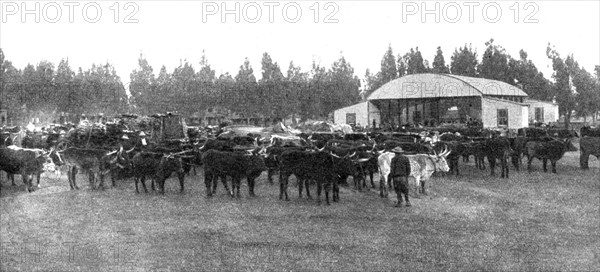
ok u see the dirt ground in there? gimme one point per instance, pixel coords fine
(530, 222)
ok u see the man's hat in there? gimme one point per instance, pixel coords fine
(142, 134)
(397, 149)
(125, 137)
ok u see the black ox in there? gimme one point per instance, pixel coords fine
(237, 165)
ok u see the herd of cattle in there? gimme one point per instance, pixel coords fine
(324, 158)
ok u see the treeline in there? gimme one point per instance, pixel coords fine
(48, 90)
(277, 94)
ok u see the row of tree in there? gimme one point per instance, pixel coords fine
(51, 90)
(309, 94)
(276, 95)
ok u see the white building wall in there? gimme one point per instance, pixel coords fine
(365, 113)
(550, 110)
(517, 113)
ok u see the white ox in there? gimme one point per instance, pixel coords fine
(422, 166)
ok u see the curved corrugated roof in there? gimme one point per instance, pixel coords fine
(442, 85)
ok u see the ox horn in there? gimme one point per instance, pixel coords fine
(334, 155)
(445, 152)
(363, 160)
(201, 148)
(353, 154)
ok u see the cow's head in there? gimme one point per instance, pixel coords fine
(344, 165)
(170, 163)
(120, 159)
(262, 152)
(55, 157)
(439, 160)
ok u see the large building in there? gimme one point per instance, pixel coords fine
(434, 99)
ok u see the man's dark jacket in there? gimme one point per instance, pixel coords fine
(400, 166)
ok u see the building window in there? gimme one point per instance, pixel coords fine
(539, 114)
(351, 118)
(502, 117)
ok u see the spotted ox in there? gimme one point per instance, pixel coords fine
(422, 166)
(88, 160)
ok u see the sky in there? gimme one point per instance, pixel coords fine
(169, 32)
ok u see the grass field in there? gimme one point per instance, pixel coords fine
(475, 222)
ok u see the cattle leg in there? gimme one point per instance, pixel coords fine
(336, 192)
(318, 192)
(283, 181)
(504, 168)
(454, 166)
(307, 187)
(423, 190)
(583, 159)
(327, 188)
(383, 186)
(529, 159)
(270, 173)
(27, 180)
(553, 166)
(300, 187)
(72, 174)
(251, 187)
(92, 179)
(101, 177)
(515, 161)
(70, 178)
(235, 183)
(280, 187)
(38, 179)
(161, 185)
(208, 179)
(136, 185)
(224, 181)
(480, 162)
(285, 187)
(143, 181)
(12, 178)
(544, 161)
(181, 177)
(492, 162)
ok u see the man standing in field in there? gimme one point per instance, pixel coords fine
(400, 170)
